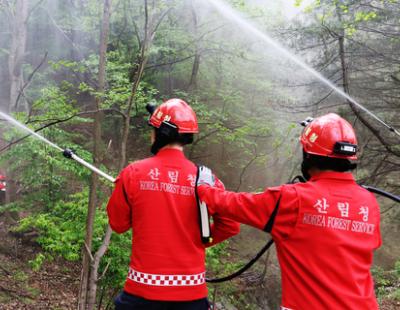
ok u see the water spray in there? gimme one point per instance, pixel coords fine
(227, 11)
(68, 153)
(35, 134)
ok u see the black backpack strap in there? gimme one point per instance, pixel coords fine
(270, 224)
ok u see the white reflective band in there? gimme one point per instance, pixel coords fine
(166, 280)
(205, 224)
(284, 308)
(348, 148)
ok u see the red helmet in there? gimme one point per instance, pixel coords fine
(176, 112)
(329, 135)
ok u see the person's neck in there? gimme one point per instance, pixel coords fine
(173, 146)
(314, 171)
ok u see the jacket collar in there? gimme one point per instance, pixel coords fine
(341, 176)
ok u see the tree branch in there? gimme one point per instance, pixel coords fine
(30, 77)
(57, 121)
(160, 20)
(169, 63)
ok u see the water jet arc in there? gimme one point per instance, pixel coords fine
(67, 152)
(227, 11)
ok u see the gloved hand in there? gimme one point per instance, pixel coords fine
(205, 176)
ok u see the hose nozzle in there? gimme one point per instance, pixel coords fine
(68, 153)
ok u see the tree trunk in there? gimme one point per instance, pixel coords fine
(137, 76)
(95, 269)
(16, 56)
(196, 63)
(195, 71)
(88, 287)
(94, 262)
(15, 60)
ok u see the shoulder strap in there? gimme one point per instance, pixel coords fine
(270, 224)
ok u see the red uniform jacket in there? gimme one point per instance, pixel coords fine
(325, 232)
(155, 197)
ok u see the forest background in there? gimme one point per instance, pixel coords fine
(80, 73)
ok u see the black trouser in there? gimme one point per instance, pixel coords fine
(125, 301)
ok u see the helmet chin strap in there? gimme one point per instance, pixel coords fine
(305, 167)
(156, 146)
(166, 134)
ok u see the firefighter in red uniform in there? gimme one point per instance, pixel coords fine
(2, 189)
(2, 183)
(325, 230)
(155, 198)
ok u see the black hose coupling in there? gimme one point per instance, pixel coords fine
(151, 107)
(307, 121)
(68, 153)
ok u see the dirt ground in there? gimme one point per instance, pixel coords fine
(54, 286)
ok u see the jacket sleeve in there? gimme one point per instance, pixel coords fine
(222, 228)
(247, 208)
(118, 208)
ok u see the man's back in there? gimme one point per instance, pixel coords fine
(325, 232)
(155, 197)
(326, 258)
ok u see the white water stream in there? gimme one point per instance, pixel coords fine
(229, 13)
(73, 156)
(22, 126)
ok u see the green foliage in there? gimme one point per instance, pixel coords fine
(117, 260)
(21, 276)
(37, 262)
(395, 294)
(62, 228)
(380, 282)
(380, 277)
(298, 3)
(365, 16)
(386, 282)
(62, 232)
(397, 268)
(218, 262)
(67, 64)
(42, 171)
(213, 255)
